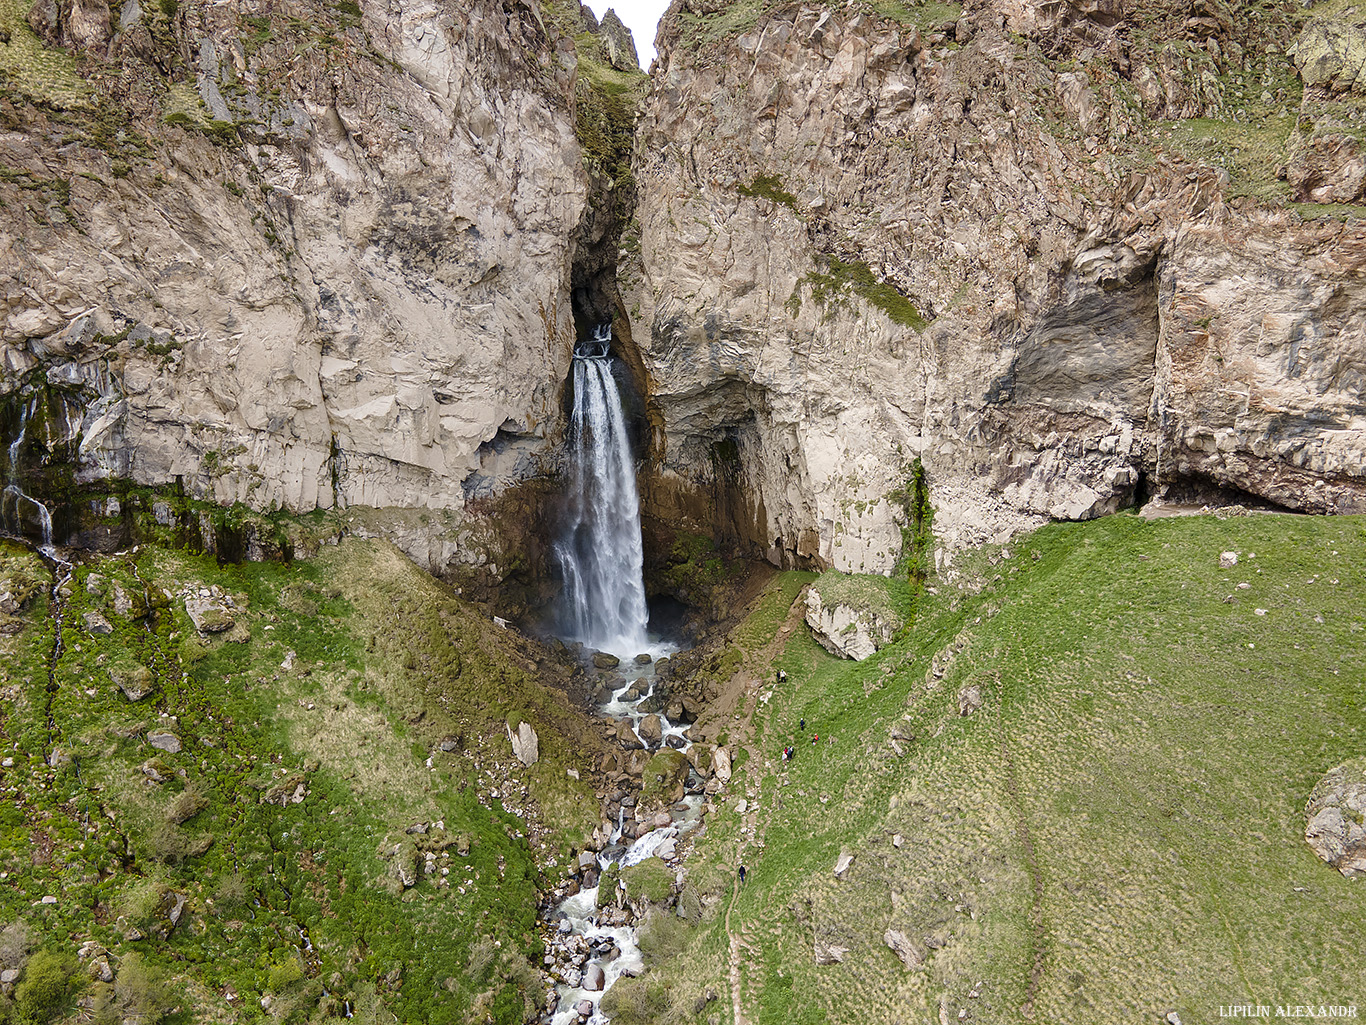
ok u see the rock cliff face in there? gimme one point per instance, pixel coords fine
(978, 239)
(1059, 253)
(301, 261)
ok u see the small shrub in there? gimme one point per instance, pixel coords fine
(46, 987)
(142, 992)
(284, 975)
(186, 806)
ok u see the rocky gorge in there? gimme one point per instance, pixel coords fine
(905, 300)
(272, 263)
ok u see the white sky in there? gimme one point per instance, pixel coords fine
(641, 17)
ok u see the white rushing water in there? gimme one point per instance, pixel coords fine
(16, 506)
(621, 955)
(601, 555)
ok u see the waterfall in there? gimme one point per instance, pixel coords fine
(13, 500)
(601, 555)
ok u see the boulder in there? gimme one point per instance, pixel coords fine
(594, 978)
(1331, 50)
(650, 729)
(1335, 813)
(643, 659)
(720, 759)
(164, 740)
(842, 865)
(663, 780)
(1227, 560)
(850, 620)
(525, 744)
(635, 761)
(95, 623)
(906, 951)
(209, 615)
(626, 736)
(827, 953)
(969, 699)
(605, 660)
(136, 683)
(127, 604)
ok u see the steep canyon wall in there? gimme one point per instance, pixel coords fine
(298, 259)
(1049, 249)
(1066, 255)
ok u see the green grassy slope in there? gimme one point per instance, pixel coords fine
(386, 664)
(1115, 833)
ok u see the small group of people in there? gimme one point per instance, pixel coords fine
(790, 751)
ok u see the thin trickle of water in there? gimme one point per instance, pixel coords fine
(14, 501)
(18, 442)
(601, 555)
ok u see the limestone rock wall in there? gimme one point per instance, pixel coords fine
(334, 271)
(865, 240)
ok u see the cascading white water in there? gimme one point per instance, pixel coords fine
(14, 500)
(601, 555)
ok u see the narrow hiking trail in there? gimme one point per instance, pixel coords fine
(736, 1000)
(754, 770)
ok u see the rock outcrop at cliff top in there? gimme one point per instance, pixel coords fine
(866, 240)
(329, 259)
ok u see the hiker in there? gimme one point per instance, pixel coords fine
(742, 875)
(782, 676)
(802, 726)
(815, 737)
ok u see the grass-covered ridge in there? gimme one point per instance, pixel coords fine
(352, 698)
(1115, 833)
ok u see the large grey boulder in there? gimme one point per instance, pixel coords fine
(164, 740)
(1335, 811)
(720, 760)
(136, 683)
(525, 744)
(906, 951)
(626, 736)
(848, 625)
(650, 730)
(827, 953)
(209, 615)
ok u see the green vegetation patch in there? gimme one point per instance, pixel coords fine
(651, 880)
(1076, 789)
(604, 115)
(38, 71)
(1250, 152)
(842, 277)
(923, 16)
(341, 702)
(770, 187)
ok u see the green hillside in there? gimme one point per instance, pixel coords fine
(352, 697)
(1116, 833)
